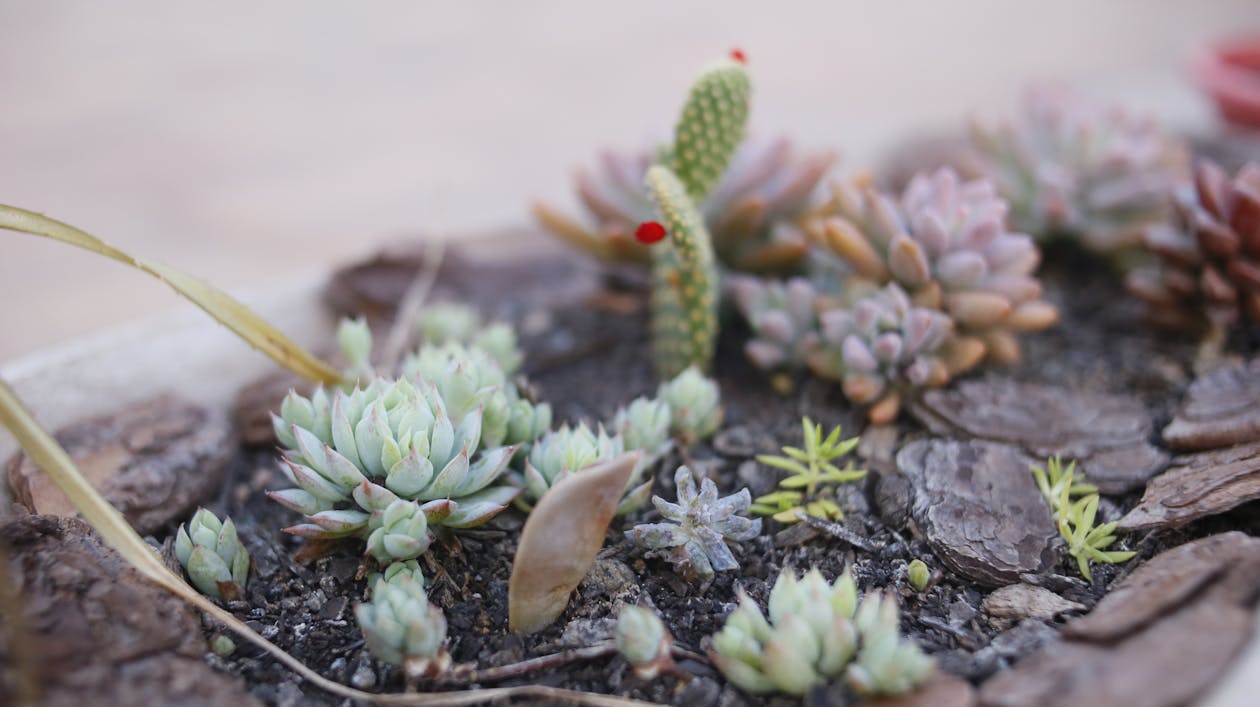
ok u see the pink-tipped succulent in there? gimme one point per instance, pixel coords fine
(885, 349)
(946, 244)
(1072, 167)
(1210, 270)
(753, 214)
(783, 317)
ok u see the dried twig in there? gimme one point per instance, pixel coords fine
(837, 531)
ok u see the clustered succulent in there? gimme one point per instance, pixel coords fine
(354, 456)
(213, 556)
(399, 624)
(1074, 505)
(644, 424)
(642, 639)
(697, 529)
(754, 214)
(818, 632)
(451, 323)
(1071, 167)
(783, 317)
(1210, 254)
(808, 470)
(945, 242)
(561, 453)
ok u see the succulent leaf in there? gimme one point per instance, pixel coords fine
(212, 554)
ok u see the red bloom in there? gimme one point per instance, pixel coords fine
(649, 232)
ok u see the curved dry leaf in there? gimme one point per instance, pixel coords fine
(255, 330)
(560, 539)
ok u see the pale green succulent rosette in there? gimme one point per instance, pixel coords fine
(818, 632)
(401, 627)
(445, 323)
(351, 455)
(644, 425)
(695, 405)
(212, 554)
(567, 451)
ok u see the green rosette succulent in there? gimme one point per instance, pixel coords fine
(401, 627)
(818, 632)
(642, 639)
(783, 317)
(567, 451)
(469, 378)
(445, 323)
(212, 555)
(695, 405)
(351, 455)
(644, 425)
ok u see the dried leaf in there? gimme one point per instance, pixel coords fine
(255, 330)
(560, 539)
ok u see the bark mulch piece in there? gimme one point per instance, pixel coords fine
(980, 508)
(154, 461)
(1161, 637)
(100, 633)
(1023, 601)
(1199, 485)
(1106, 434)
(1221, 409)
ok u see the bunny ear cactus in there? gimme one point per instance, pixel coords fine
(818, 632)
(946, 244)
(711, 127)
(213, 556)
(1078, 169)
(1209, 275)
(352, 455)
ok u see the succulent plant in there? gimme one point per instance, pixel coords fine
(918, 575)
(400, 532)
(1210, 253)
(468, 379)
(698, 528)
(884, 349)
(355, 339)
(946, 244)
(809, 468)
(1072, 167)
(401, 627)
(410, 568)
(783, 317)
(569, 450)
(817, 632)
(452, 323)
(642, 639)
(213, 556)
(695, 405)
(352, 455)
(684, 280)
(1074, 505)
(644, 424)
(754, 214)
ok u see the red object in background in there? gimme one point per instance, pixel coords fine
(649, 232)
(1229, 72)
(738, 55)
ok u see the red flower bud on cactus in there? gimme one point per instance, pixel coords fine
(649, 232)
(738, 55)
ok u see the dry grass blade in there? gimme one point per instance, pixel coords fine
(109, 523)
(228, 311)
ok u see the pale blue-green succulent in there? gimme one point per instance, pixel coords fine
(818, 632)
(567, 451)
(400, 532)
(698, 527)
(644, 425)
(642, 639)
(401, 627)
(352, 454)
(695, 405)
(355, 338)
(445, 323)
(212, 554)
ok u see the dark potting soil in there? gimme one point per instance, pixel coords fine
(588, 357)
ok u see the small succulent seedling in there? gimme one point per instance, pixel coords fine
(1074, 505)
(643, 640)
(918, 575)
(697, 529)
(695, 405)
(355, 339)
(644, 425)
(818, 632)
(400, 532)
(567, 451)
(213, 556)
(401, 627)
(808, 470)
(1072, 168)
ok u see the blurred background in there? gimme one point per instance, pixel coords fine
(254, 143)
